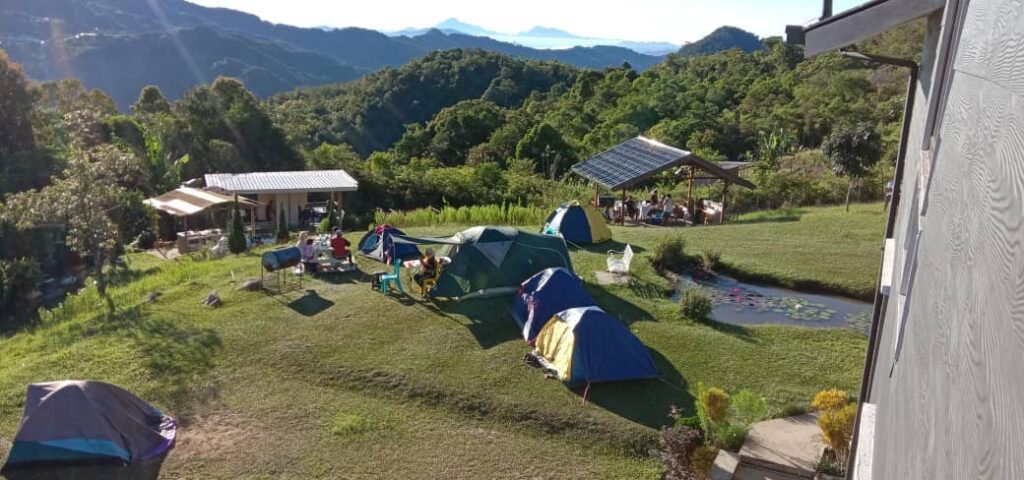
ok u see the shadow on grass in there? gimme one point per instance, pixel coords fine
(488, 319)
(604, 247)
(646, 402)
(310, 304)
(771, 216)
(739, 331)
(177, 357)
(619, 307)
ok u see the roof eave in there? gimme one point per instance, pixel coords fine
(859, 23)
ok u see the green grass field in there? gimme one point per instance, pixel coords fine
(337, 381)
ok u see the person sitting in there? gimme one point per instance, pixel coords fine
(428, 267)
(339, 247)
(667, 206)
(309, 256)
(631, 210)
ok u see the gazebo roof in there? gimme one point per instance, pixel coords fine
(637, 159)
(186, 201)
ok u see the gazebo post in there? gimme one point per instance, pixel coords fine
(721, 215)
(623, 210)
(689, 192)
(597, 195)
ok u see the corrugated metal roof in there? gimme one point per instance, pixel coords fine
(637, 159)
(189, 201)
(283, 182)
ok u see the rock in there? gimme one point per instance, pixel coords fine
(212, 300)
(251, 285)
(153, 296)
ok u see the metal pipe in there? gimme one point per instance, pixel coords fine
(878, 309)
(826, 9)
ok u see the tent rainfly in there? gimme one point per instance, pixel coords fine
(636, 160)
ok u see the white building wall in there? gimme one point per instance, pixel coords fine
(949, 377)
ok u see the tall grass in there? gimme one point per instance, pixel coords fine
(472, 215)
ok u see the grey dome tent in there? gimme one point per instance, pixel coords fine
(84, 429)
(487, 261)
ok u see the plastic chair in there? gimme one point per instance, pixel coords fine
(620, 265)
(393, 277)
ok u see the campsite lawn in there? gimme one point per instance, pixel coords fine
(337, 381)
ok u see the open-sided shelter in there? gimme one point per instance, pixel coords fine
(586, 344)
(89, 429)
(284, 190)
(580, 224)
(545, 294)
(488, 261)
(636, 160)
(379, 245)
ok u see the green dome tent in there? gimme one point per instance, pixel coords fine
(487, 261)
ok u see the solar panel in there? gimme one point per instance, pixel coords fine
(630, 162)
(638, 159)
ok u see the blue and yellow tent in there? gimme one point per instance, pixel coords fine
(586, 345)
(577, 224)
(545, 294)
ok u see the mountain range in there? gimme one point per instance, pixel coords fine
(541, 37)
(120, 46)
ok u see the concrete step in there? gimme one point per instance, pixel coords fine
(786, 445)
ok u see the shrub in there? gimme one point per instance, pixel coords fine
(236, 231)
(703, 459)
(676, 448)
(827, 400)
(282, 233)
(710, 260)
(330, 221)
(837, 429)
(349, 424)
(670, 254)
(18, 278)
(715, 402)
(731, 436)
(748, 407)
(692, 422)
(146, 240)
(792, 410)
(694, 304)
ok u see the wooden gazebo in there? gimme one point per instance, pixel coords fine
(636, 160)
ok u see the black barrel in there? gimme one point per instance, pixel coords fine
(279, 259)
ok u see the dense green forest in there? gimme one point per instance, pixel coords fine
(455, 127)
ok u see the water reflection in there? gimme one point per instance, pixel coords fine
(742, 303)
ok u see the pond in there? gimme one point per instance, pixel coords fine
(740, 303)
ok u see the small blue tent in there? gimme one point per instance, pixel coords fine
(588, 345)
(379, 245)
(578, 224)
(543, 295)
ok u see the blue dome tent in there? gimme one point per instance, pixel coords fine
(577, 224)
(379, 244)
(85, 429)
(545, 294)
(586, 344)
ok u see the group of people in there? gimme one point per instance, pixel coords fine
(339, 249)
(661, 208)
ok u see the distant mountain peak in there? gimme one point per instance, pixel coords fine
(547, 32)
(454, 24)
(723, 38)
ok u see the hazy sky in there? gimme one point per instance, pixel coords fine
(674, 21)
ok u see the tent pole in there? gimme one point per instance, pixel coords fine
(721, 215)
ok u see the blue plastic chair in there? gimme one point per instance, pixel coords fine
(394, 277)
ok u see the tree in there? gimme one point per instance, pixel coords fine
(236, 231)
(16, 105)
(331, 157)
(853, 149)
(282, 227)
(545, 145)
(151, 101)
